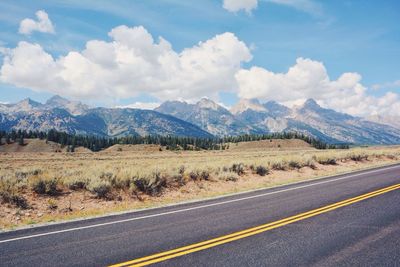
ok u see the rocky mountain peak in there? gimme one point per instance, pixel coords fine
(27, 105)
(245, 104)
(208, 104)
(57, 101)
(74, 107)
(311, 104)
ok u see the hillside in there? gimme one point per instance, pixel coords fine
(132, 148)
(273, 144)
(37, 145)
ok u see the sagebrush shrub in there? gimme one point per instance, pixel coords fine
(14, 199)
(310, 163)
(279, 166)
(294, 164)
(43, 186)
(261, 170)
(101, 188)
(327, 161)
(9, 187)
(358, 157)
(238, 168)
(228, 176)
(77, 184)
(151, 184)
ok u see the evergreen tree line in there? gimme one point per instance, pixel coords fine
(97, 143)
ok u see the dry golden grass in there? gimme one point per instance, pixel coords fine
(71, 185)
(37, 145)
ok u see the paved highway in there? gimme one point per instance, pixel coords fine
(347, 220)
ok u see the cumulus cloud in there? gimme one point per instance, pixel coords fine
(42, 24)
(309, 79)
(237, 5)
(130, 64)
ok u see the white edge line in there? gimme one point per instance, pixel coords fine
(194, 208)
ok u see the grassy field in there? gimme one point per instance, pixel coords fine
(38, 187)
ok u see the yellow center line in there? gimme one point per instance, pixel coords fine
(249, 232)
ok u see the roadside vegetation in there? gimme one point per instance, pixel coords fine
(45, 185)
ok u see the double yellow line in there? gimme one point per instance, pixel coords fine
(251, 231)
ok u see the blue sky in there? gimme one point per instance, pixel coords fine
(346, 36)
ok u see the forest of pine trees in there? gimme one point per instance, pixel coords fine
(97, 143)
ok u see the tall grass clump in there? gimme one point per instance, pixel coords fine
(279, 165)
(228, 176)
(100, 187)
(9, 192)
(76, 182)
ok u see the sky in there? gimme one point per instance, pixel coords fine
(139, 53)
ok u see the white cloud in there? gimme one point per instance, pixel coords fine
(309, 79)
(237, 5)
(130, 64)
(388, 85)
(308, 6)
(142, 105)
(42, 24)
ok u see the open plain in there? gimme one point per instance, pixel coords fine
(42, 187)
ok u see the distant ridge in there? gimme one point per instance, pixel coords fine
(76, 118)
(202, 119)
(252, 117)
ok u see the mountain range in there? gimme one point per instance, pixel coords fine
(202, 119)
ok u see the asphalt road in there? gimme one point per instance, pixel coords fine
(363, 232)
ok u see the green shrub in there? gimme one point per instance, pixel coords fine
(39, 186)
(9, 187)
(327, 161)
(77, 183)
(152, 184)
(205, 175)
(101, 188)
(261, 170)
(294, 164)
(358, 157)
(194, 175)
(14, 199)
(43, 186)
(238, 168)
